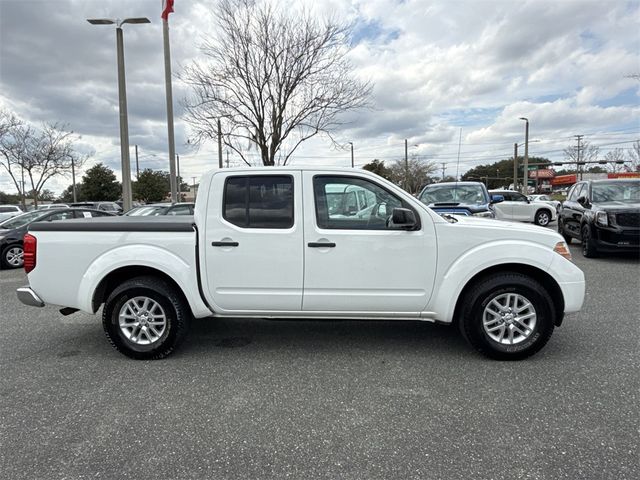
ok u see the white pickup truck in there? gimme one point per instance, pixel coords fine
(264, 243)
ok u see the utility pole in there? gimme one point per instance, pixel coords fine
(227, 158)
(73, 181)
(578, 167)
(219, 144)
(444, 166)
(178, 177)
(406, 166)
(515, 167)
(525, 187)
(137, 165)
(351, 143)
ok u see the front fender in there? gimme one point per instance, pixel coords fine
(150, 256)
(480, 258)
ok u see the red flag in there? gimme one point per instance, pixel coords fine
(167, 8)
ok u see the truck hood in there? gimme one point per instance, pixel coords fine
(490, 229)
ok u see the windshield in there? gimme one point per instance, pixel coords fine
(616, 192)
(147, 211)
(454, 193)
(22, 220)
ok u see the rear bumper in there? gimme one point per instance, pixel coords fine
(29, 297)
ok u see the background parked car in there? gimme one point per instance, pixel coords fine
(546, 199)
(155, 209)
(8, 211)
(604, 215)
(12, 230)
(47, 206)
(518, 207)
(459, 198)
(111, 207)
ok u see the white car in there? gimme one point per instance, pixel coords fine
(518, 207)
(546, 199)
(9, 211)
(269, 243)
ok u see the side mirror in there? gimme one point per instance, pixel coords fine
(497, 198)
(404, 219)
(583, 201)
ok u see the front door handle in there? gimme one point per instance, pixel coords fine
(321, 244)
(224, 244)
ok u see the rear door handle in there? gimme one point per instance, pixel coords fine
(224, 244)
(321, 244)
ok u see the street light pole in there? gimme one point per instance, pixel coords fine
(526, 156)
(122, 96)
(515, 166)
(406, 166)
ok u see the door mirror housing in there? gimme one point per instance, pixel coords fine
(584, 201)
(497, 198)
(404, 219)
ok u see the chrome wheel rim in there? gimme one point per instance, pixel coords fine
(509, 318)
(14, 256)
(142, 320)
(543, 219)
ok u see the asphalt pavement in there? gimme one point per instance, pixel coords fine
(307, 399)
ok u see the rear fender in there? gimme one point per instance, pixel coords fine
(149, 256)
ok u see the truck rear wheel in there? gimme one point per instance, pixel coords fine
(507, 316)
(145, 318)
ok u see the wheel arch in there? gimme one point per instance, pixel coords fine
(546, 280)
(116, 277)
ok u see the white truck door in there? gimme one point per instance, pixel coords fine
(254, 236)
(357, 263)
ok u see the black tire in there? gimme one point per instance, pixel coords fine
(589, 249)
(471, 321)
(172, 305)
(9, 259)
(543, 217)
(567, 238)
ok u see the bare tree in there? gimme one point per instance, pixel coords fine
(14, 140)
(633, 154)
(273, 78)
(50, 152)
(613, 157)
(413, 175)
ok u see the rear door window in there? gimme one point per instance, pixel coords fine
(259, 201)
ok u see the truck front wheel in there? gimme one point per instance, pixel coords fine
(145, 318)
(507, 316)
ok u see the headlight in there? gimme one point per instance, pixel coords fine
(561, 248)
(483, 214)
(601, 219)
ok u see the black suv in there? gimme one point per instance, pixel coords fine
(603, 214)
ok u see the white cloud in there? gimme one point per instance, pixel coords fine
(437, 66)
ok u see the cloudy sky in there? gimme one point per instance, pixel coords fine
(440, 68)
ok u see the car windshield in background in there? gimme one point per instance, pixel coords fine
(22, 220)
(147, 211)
(616, 192)
(466, 194)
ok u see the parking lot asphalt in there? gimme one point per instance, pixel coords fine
(334, 399)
